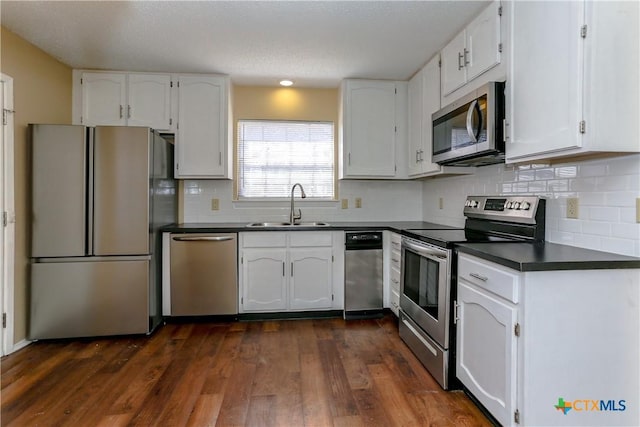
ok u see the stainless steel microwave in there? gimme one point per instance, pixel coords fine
(469, 131)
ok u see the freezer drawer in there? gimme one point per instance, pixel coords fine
(82, 299)
(204, 274)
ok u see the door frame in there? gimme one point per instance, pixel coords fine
(7, 204)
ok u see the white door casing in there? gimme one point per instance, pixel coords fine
(7, 207)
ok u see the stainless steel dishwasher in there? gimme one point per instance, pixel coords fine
(363, 274)
(204, 274)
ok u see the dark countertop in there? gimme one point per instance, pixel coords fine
(547, 256)
(396, 226)
(518, 256)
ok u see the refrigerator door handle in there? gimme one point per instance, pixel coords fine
(89, 191)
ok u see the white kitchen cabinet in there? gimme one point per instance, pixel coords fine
(514, 327)
(473, 51)
(395, 263)
(424, 100)
(368, 125)
(486, 349)
(203, 140)
(265, 279)
(104, 99)
(126, 99)
(574, 79)
(311, 284)
(149, 101)
(286, 271)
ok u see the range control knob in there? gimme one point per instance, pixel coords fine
(507, 205)
(474, 203)
(467, 203)
(516, 205)
(525, 206)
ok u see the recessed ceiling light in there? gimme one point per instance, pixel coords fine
(286, 82)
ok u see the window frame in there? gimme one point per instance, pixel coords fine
(319, 201)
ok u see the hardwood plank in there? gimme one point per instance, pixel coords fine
(206, 410)
(323, 372)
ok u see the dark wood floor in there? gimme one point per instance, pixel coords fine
(275, 373)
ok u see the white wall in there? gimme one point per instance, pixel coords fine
(607, 190)
(381, 201)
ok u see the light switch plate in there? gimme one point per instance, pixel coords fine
(215, 204)
(345, 203)
(441, 203)
(358, 202)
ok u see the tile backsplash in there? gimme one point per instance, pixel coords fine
(606, 190)
(381, 201)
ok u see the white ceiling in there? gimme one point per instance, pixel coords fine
(314, 43)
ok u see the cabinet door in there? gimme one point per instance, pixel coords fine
(486, 350)
(264, 280)
(104, 98)
(311, 273)
(369, 128)
(546, 80)
(202, 139)
(149, 101)
(415, 124)
(454, 73)
(430, 104)
(483, 39)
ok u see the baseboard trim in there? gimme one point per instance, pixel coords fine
(18, 346)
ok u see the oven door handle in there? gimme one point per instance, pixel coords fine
(424, 251)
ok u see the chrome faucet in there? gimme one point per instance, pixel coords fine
(293, 217)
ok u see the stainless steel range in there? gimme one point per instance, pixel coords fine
(429, 269)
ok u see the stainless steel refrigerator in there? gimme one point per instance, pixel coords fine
(99, 197)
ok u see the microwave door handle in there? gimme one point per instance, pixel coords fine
(470, 129)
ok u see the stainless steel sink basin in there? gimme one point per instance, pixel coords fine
(287, 224)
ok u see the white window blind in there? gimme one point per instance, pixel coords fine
(274, 155)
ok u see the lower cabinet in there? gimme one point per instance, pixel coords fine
(286, 271)
(486, 349)
(532, 344)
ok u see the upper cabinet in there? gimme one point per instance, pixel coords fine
(424, 100)
(473, 51)
(574, 80)
(203, 140)
(371, 121)
(120, 99)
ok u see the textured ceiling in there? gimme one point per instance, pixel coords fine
(314, 43)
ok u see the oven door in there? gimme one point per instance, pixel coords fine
(425, 288)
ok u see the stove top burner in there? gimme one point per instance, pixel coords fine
(447, 238)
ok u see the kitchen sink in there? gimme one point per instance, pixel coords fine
(287, 224)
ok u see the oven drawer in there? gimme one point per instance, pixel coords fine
(430, 354)
(487, 275)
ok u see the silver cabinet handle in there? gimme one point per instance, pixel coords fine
(282, 268)
(121, 111)
(466, 57)
(220, 158)
(460, 64)
(349, 159)
(478, 276)
(128, 111)
(203, 239)
(395, 260)
(291, 269)
(417, 156)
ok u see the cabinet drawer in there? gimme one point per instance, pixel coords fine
(309, 238)
(490, 276)
(395, 259)
(396, 241)
(394, 301)
(395, 279)
(266, 239)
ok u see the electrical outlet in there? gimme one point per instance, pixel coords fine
(572, 208)
(358, 202)
(215, 204)
(345, 203)
(441, 203)
(638, 210)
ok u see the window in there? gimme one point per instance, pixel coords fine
(274, 155)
